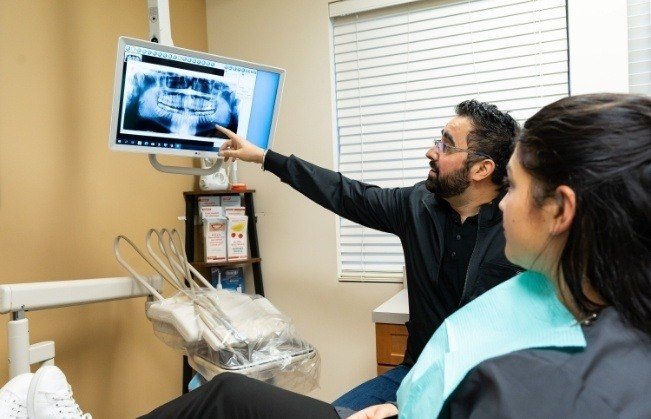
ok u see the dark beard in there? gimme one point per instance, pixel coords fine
(451, 185)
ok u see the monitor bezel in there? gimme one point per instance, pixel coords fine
(117, 95)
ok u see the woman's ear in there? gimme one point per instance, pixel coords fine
(483, 169)
(565, 202)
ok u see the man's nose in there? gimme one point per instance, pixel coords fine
(432, 154)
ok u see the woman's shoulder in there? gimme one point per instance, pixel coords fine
(612, 347)
(524, 385)
(609, 378)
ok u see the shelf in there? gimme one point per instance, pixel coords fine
(192, 235)
(215, 193)
(227, 263)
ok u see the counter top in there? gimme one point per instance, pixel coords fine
(393, 311)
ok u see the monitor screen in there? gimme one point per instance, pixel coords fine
(167, 100)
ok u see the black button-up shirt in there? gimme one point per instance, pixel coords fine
(458, 244)
(417, 216)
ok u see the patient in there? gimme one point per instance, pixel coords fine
(578, 211)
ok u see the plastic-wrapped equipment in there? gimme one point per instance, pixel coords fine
(222, 331)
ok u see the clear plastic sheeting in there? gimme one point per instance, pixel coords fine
(223, 331)
(232, 332)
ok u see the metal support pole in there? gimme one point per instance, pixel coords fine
(18, 340)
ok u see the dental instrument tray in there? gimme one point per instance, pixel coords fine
(218, 330)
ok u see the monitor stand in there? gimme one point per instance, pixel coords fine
(181, 170)
(160, 32)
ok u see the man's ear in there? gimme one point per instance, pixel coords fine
(564, 201)
(482, 169)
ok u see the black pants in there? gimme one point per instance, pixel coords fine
(234, 396)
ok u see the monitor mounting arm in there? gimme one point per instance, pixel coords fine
(160, 31)
(159, 22)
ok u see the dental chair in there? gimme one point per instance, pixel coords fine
(218, 330)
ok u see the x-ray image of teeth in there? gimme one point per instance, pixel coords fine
(178, 103)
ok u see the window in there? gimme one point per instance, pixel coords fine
(639, 46)
(399, 71)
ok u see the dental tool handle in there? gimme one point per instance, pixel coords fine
(201, 278)
(125, 265)
(178, 284)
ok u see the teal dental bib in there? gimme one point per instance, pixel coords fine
(521, 313)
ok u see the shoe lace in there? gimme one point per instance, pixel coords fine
(68, 406)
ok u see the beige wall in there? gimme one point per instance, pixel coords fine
(297, 237)
(64, 196)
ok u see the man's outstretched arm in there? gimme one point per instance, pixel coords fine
(369, 205)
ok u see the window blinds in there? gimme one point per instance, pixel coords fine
(639, 46)
(399, 73)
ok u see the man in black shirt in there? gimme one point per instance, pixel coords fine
(449, 225)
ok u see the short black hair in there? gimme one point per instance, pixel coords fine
(493, 133)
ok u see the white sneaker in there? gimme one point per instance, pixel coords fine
(50, 396)
(13, 397)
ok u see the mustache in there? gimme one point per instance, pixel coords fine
(433, 166)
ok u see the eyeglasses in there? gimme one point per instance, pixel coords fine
(442, 147)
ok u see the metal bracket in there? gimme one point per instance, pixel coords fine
(178, 170)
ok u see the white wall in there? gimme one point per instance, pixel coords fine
(598, 37)
(297, 237)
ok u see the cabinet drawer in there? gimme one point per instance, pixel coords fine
(390, 343)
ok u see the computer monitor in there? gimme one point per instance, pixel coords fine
(167, 100)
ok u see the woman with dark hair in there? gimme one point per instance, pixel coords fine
(595, 151)
(569, 338)
(578, 210)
